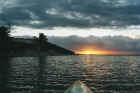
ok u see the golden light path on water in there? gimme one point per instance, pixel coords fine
(93, 65)
(95, 68)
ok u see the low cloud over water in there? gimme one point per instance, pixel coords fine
(117, 43)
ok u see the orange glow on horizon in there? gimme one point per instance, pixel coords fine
(101, 52)
(88, 52)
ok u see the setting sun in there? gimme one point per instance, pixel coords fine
(89, 51)
(100, 52)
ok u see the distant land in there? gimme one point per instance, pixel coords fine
(35, 46)
(31, 47)
(109, 54)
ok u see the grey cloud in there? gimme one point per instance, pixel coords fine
(117, 43)
(73, 13)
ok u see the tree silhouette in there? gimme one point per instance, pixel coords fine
(42, 41)
(4, 33)
(42, 38)
(5, 40)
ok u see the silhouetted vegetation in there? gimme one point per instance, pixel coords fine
(5, 41)
(5, 48)
(42, 38)
(27, 47)
(4, 33)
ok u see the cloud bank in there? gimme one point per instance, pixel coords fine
(70, 13)
(117, 43)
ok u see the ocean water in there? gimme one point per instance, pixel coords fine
(54, 74)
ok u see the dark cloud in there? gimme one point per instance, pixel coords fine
(74, 13)
(117, 43)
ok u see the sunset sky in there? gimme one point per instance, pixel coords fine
(84, 26)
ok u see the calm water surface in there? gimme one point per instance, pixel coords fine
(54, 74)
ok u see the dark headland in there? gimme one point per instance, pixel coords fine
(35, 46)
